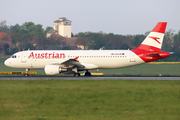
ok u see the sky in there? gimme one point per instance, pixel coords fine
(109, 16)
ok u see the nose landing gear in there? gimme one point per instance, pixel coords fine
(27, 73)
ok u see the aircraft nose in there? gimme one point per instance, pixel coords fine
(7, 62)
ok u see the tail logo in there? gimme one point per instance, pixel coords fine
(155, 38)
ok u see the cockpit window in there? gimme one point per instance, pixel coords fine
(14, 56)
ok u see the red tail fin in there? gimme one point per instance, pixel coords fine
(153, 42)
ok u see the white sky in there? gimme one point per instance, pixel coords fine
(110, 16)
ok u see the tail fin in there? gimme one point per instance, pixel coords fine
(153, 42)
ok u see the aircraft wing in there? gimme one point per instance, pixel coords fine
(70, 63)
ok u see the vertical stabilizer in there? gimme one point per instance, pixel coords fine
(153, 42)
(150, 49)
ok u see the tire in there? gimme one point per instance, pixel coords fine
(77, 74)
(87, 74)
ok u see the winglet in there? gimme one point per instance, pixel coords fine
(76, 58)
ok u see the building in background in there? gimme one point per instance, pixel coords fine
(62, 26)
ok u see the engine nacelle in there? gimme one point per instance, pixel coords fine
(56, 69)
(52, 69)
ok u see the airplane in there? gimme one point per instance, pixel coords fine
(55, 62)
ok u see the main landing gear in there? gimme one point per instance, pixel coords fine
(87, 73)
(77, 74)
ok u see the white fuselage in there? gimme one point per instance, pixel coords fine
(37, 59)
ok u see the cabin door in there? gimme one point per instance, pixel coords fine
(132, 57)
(23, 57)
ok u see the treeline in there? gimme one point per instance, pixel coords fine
(32, 36)
(111, 41)
(27, 36)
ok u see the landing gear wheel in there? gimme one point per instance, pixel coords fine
(27, 73)
(77, 74)
(87, 74)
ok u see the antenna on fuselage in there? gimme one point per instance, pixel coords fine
(101, 48)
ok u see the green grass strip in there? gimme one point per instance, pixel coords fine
(89, 100)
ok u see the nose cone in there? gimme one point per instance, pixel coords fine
(7, 62)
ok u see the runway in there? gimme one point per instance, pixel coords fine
(84, 78)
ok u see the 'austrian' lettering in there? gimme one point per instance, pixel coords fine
(46, 55)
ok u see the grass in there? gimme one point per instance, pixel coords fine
(89, 100)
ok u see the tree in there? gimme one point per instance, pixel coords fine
(168, 41)
(66, 47)
(81, 41)
(40, 42)
(138, 39)
(81, 34)
(29, 46)
(72, 35)
(115, 41)
(47, 30)
(95, 40)
(27, 26)
(176, 46)
(124, 46)
(4, 44)
(3, 26)
(15, 28)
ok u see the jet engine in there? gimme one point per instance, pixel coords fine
(56, 69)
(51, 69)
